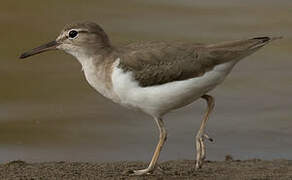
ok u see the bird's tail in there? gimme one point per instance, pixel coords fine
(245, 44)
(259, 42)
(239, 49)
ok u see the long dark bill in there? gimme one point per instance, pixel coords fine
(46, 47)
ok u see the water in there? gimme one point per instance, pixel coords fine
(48, 111)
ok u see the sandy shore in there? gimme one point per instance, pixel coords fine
(182, 169)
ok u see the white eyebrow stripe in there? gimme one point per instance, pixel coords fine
(78, 30)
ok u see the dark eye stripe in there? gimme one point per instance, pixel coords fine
(83, 31)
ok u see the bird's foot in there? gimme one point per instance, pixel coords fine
(208, 138)
(147, 171)
(201, 149)
(140, 172)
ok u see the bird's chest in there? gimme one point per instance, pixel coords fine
(96, 76)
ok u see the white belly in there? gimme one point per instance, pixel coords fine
(160, 99)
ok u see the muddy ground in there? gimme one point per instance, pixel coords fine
(254, 169)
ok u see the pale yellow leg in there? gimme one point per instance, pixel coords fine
(200, 146)
(162, 138)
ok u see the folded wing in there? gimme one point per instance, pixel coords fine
(155, 63)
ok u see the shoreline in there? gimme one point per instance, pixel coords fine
(176, 169)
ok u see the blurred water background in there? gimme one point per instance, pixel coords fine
(48, 112)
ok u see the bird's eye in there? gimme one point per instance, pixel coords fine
(73, 34)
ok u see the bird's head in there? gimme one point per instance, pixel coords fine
(79, 39)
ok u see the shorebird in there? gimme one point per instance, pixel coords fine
(154, 77)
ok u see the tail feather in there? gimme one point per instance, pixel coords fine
(266, 38)
(227, 51)
(261, 41)
(245, 44)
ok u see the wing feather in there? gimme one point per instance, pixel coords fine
(154, 63)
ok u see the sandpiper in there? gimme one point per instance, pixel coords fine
(154, 77)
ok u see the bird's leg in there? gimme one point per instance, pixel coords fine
(200, 146)
(162, 139)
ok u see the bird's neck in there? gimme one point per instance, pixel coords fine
(97, 70)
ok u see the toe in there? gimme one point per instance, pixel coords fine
(140, 172)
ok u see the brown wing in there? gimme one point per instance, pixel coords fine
(155, 63)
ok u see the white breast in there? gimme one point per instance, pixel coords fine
(160, 99)
(94, 71)
(96, 77)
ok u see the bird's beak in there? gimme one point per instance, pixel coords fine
(46, 47)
